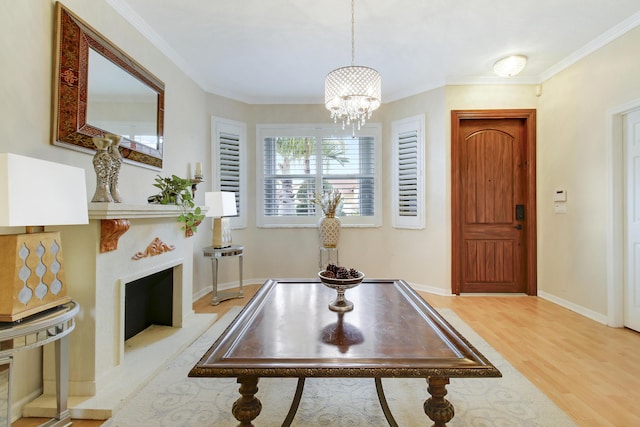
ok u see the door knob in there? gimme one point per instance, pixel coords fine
(518, 227)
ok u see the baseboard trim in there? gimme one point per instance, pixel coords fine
(590, 314)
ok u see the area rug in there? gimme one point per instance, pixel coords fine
(172, 399)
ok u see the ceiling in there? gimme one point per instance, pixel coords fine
(279, 51)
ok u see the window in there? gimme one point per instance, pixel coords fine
(295, 162)
(408, 178)
(229, 164)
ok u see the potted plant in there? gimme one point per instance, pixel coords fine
(329, 202)
(177, 191)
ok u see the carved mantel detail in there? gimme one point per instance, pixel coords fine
(110, 232)
(156, 247)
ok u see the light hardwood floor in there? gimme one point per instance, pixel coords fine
(589, 370)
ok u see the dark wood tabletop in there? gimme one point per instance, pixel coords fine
(287, 330)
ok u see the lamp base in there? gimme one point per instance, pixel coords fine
(221, 233)
(31, 275)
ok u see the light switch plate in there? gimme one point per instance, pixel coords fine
(560, 208)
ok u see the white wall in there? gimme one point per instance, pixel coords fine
(26, 49)
(573, 154)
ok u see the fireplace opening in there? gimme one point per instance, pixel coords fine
(148, 301)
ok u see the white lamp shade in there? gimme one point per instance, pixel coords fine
(37, 192)
(220, 204)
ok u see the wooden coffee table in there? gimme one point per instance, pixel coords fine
(287, 330)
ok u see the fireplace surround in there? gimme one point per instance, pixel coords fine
(102, 366)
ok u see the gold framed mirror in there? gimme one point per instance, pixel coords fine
(99, 89)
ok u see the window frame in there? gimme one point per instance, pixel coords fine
(319, 131)
(399, 127)
(222, 125)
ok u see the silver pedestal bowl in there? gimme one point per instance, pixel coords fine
(341, 304)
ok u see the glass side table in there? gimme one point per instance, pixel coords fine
(215, 254)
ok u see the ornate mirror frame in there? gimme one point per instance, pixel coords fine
(73, 38)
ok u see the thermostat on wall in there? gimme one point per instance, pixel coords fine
(559, 196)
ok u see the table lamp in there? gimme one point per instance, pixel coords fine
(35, 193)
(221, 204)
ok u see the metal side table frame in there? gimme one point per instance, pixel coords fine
(215, 254)
(328, 256)
(53, 325)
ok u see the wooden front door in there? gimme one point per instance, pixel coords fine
(493, 201)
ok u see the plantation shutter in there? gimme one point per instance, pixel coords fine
(408, 161)
(229, 156)
(229, 163)
(270, 179)
(296, 163)
(289, 176)
(353, 174)
(408, 174)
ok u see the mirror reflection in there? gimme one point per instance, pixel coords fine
(121, 103)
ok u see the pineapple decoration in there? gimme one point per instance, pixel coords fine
(329, 224)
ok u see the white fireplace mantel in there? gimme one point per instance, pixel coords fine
(115, 218)
(130, 210)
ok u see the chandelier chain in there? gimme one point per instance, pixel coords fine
(353, 32)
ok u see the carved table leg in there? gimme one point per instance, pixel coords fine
(439, 409)
(248, 407)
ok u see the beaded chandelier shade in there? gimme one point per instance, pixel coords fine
(352, 93)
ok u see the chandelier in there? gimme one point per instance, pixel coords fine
(352, 93)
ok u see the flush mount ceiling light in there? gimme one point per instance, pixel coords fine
(510, 66)
(352, 93)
